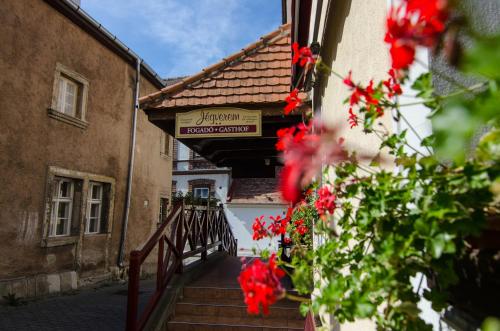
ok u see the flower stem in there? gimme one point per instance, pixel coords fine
(297, 298)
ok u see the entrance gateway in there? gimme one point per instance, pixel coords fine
(218, 122)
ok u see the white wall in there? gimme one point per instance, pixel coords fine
(221, 183)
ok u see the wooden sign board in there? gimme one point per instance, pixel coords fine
(218, 122)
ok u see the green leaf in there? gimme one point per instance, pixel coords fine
(491, 324)
(484, 57)
(423, 85)
(441, 244)
(409, 308)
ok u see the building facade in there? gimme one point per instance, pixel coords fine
(67, 129)
(239, 171)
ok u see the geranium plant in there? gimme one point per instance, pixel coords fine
(378, 222)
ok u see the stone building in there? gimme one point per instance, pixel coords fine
(67, 98)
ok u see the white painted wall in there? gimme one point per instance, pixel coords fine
(221, 183)
(241, 218)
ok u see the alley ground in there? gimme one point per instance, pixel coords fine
(98, 308)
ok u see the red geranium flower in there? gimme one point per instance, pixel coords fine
(414, 23)
(325, 202)
(261, 285)
(392, 85)
(300, 227)
(293, 101)
(259, 228)
(303, 55)
(278, 226)
(304, 153)
(353, 118)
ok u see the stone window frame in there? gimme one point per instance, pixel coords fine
(82, 99)
(201, 183)
(85, 178)
(166, 196)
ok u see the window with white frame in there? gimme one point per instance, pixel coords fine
(67, 99)
(94, 207)
(201, 192)
(62, 207)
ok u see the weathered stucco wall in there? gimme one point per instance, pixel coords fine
(351, 37)
(352, 41)
(35, 37)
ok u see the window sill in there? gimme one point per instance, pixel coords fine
(59, 241)
(67, 119)
(96, 234)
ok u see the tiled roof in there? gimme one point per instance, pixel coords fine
(259, 73)
(255, 190)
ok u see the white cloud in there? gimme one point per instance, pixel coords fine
(195, 32)
(187, 35)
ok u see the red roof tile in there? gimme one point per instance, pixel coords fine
(259, 73)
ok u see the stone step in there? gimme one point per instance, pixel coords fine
(203, 322)
(223, 293)
(283, 303)
(235, 310)
(192, 292)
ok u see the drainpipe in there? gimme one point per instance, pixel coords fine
(123, 236)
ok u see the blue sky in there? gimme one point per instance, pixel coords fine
(180, 37)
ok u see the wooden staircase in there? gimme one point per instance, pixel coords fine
(222, 308)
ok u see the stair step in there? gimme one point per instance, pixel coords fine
(192, 322)
(233, 309)
(187, 326)
(192, 292)
(224, 293)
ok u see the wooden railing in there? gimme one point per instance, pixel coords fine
(201, 228)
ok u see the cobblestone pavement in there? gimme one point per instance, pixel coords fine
(102, 308)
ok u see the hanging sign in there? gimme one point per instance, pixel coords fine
(218, 122)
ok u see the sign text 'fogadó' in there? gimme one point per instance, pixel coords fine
(218, 122)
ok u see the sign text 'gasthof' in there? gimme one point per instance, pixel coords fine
(218, 122)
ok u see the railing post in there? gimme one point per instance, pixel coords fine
(220, 225)
(159, 267)
(133, 290)
(178, 240)
(204, 231)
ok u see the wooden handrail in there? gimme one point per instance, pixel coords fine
(193, 226)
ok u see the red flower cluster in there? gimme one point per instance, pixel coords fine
(276, 228)
(259, 228)
(366, 95)
(300, 227)
(261, 285)
(325, 202)
(304, 153)
(392, 85)
(414, 23)
(293, 101)
(303, 55)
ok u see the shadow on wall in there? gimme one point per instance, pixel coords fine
(337, 15)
